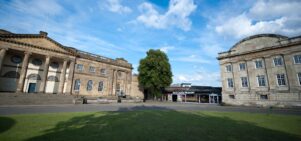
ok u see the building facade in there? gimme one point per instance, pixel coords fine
(262, 70)
(185, 92)
(35, 63)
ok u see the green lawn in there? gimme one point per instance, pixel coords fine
(150, 125)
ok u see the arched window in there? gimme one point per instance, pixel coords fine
(77, 85)
(89, 85)
(53, 78)
(12, 74)
(100, 86)
(34, 77)
(36, 62)
(54, 65)
(16, 59)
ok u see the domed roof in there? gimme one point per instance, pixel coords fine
(258, 41)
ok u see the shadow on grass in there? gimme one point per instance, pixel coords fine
(156, 125)
(6, 123)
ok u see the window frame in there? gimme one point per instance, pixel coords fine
(230, 66)
(89, 87)
(228, 84)
(256, 67)
(299, 59)
(102, 86)
(240, 64)
(281, 60)
(92, 69)
(282, 80)
(242, 82)
(259, 82)
(103, 73)
(77, 84)
(82, 68)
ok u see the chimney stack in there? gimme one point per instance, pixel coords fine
(43, 33)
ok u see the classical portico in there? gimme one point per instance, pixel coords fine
(35, 63)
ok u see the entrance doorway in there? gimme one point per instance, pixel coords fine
(32, 87)
(174, 98)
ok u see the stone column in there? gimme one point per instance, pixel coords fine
(112, 82)
(115, 82)
(70, 77)
(2, 55)
(248, 77)
(266, 73)
(44, 76)
(20, 85)
(233, 79)
(126, 83)
(286, 74)
(62, 77)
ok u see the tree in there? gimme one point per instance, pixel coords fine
(154, 73)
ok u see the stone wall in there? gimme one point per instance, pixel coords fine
(136, 91)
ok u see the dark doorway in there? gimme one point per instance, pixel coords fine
(32, 88)
(174, 98)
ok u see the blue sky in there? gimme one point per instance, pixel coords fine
(191, 32)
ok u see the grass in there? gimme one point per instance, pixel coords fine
(150, 125)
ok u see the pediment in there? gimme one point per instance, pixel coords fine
(45, 42)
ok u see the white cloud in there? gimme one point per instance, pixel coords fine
(192, 59)
(265, 10)
(177, 15)
(38, 7)
(264, 17)
(116, 7)
(167, 48)
(202, 77)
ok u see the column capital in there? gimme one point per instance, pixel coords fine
(27, 52)
(48, 56)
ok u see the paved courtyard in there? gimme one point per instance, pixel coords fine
(30, 109)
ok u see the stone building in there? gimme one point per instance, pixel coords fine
(262, 70)
(35, 63)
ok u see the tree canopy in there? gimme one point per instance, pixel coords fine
(154, 72)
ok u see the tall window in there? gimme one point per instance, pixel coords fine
(258, 64)
(278, 61)
(230, 82)
(299, 78)
(92, 69)
(89, 85)
(242, 66)
(103, 71)
(281, 79)
(80, 67)
(244, 81)
(261, 80)
(100, 86)
(118, 87)
(297, 59)
(229, 68)
(77, 85)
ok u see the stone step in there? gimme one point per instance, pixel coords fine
(34, 99)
